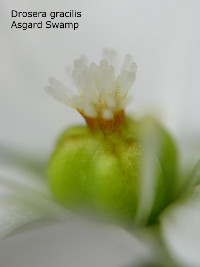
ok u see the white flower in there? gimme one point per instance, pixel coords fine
(102, 93)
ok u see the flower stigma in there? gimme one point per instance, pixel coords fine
(102, 92)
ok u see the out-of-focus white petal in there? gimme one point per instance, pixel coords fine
(58, 245)
(22, 204)
(180, 226)
(194, 178)
(149, 177)
(15, 211)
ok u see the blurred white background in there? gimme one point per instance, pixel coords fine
(163, 37)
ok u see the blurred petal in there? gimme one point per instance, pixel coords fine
(180, 226)
(16, 212)
(155, 194)
(194, 178)
(74, 244)
(22, 204)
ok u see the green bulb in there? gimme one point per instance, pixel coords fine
(110, 171)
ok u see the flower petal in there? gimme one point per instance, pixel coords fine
(22, 204)
(194, 177)
(180, 226)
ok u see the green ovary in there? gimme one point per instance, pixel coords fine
(102, 172)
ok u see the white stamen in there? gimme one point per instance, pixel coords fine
(125, 81)
(59, 92)
(101, 93)
(111, 57)
(127, 62)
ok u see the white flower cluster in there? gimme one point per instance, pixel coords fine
(101, 92)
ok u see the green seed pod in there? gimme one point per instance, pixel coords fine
(115, 167)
